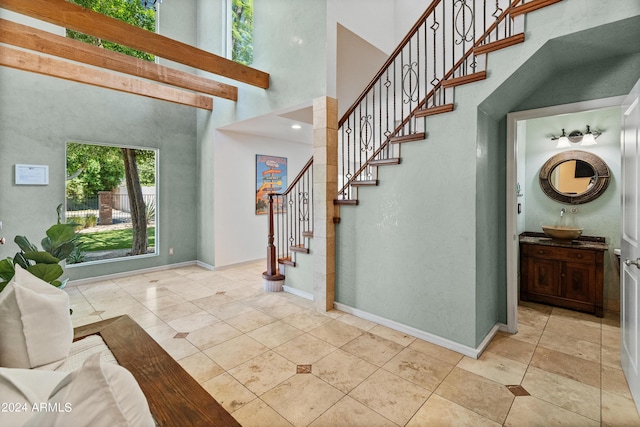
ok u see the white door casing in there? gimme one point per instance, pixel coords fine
(630, 242)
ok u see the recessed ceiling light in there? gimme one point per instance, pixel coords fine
(296, 127)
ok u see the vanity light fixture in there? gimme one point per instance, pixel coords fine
(563, 140)
(576, 136)
(296, 127)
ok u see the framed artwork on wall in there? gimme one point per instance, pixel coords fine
(271, 177)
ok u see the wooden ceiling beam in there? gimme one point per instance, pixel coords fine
(33, 62)
(44, 42)
(72, 16)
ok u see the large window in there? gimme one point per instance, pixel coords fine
(134, 12)
(111, 196)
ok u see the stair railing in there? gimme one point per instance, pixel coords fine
(291, 218)
(413, 83)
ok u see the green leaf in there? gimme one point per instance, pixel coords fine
(47, 272)
(6, 269)
(21, 261)
(24, 244)
(64, 250)
(61, 233)
(41, 257)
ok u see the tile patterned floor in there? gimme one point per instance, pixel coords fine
(271, 360)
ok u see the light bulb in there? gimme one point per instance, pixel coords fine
(588, 139)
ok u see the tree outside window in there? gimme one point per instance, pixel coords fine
(242, 31)
(129, 11)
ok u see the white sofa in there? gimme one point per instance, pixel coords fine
(110, 373)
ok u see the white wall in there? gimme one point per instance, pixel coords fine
(407, 13)
(290, 45)
(240, 234)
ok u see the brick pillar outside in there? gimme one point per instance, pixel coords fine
(325, 189)
(105, 205)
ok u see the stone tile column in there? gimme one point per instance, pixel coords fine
(325, 189)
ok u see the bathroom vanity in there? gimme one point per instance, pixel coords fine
(564, 273)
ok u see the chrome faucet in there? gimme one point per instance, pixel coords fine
(562, 212)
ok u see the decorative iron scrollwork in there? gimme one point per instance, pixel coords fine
(464, 15)
(303, 206)
(366, 133)
(410, 82)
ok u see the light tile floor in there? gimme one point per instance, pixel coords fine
(271, 360)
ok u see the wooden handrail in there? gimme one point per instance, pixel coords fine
(389, 61)
(478, 42)
(304, 169)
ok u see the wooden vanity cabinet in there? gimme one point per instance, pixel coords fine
(562, 274)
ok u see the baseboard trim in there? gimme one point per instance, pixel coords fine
(298, 292)
(237, 264)
(426, 336)
(94, 279)
(205, 265)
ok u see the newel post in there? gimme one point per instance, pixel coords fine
(273, 280)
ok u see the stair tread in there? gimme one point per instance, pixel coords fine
(385, 162)
(418, 136)
(440, 109)
(286, 261)
(348, 202)
(308, 234)
(531, 6)
(469, 78)
(299, 248)
(357, 183)
(499, 44)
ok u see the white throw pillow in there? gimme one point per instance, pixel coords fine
(36, 323)
(97, 395)
(20, 389)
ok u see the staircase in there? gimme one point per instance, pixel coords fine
(446, 48)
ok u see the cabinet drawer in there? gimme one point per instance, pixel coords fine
(564, 254)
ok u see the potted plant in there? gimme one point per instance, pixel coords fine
(59, 243)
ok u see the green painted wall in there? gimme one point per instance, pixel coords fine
(427, 247)
(490, 230)
(39, 114)
(301, 276)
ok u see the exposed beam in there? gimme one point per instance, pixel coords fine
(72, 16)
(33, 62)
(51, 44)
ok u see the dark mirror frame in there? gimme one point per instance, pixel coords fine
(597, 164)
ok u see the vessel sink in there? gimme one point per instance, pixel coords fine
(562, 233)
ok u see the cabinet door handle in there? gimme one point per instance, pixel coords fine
(629, 263)
(579, 255)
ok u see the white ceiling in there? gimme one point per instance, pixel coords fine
(278, 125)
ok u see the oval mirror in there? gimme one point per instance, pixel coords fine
(574, 177)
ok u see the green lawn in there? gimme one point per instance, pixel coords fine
(111, 239)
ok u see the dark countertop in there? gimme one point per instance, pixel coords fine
(584, 242)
